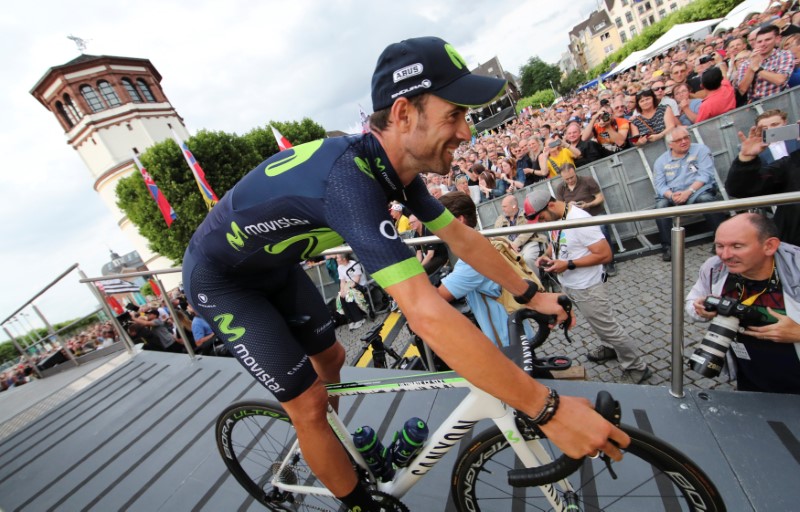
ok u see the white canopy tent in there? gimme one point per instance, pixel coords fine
(737, 15)
(670, 38)
(629, 62)
(678, 33)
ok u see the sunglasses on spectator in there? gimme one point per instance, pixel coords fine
(658, 88)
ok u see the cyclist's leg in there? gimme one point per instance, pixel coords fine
(271, 331)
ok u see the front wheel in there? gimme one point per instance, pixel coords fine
(254, 438)
(652, 476)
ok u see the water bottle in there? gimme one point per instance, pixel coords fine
(408, 442)
(377, 456)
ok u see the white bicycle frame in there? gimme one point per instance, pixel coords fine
(477, 405)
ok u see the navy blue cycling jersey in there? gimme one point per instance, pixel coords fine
(313, 197)
(241, 269)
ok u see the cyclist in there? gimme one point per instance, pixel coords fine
(241, 268)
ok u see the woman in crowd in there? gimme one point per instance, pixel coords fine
(689, 107)
(351, 302)
(555, 154)
(792, 44)
(508, 176)
(653, 121)
(488, 186)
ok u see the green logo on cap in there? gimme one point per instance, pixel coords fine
(458, 60)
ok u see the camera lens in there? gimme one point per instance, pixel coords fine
(605, 117)
(709, 356)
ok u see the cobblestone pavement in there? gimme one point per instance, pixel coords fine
(643, 287)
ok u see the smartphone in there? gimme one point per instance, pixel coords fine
(788, 132)
(555, 144)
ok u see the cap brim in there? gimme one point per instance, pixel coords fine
(472, 90)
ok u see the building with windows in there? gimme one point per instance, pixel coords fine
(501, 109)
(593, 40)
(630, 17)
(109, 109)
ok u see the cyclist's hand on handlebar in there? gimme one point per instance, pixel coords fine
(547, 304)
(580, 431)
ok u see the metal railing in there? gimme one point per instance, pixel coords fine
(678, 247)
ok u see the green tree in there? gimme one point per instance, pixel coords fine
(574, 79)
(225, 158)
(537, 76)
(543, 98)
(8, 352)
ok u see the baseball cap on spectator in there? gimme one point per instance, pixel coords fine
(429, 64)
(397, 207)
(151, 311)
(536, 202)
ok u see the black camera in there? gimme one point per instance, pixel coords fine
(709, 357)
(705, 59)
(125, 319)
(605, 117)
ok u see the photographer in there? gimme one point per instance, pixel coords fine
(157, 334)
(610, 132)
(755, 269)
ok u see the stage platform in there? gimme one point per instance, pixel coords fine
(141, 439)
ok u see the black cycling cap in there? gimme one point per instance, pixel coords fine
(429, 64)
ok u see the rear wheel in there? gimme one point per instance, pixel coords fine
(652, 476)
(254, 438)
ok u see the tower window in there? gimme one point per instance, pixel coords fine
(91, 97)
(71, 109)
(148, 95)
(66, 116)
(109, 94)
(132, 92)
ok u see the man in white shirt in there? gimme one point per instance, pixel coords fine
(579, 254)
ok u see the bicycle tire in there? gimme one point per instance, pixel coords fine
(253, 437)
(652, 476)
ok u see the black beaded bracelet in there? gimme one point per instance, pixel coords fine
(549, 409)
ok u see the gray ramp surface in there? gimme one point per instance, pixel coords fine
(142, 438)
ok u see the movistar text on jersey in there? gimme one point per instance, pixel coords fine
(273, 225)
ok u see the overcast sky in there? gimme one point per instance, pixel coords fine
(228, 66)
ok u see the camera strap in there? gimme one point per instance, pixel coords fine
(771, 284)
(557, 241)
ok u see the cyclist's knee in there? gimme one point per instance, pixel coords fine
(310, 407)
(329, 362)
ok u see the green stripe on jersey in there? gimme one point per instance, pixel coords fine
(398, 272)
(441, 221)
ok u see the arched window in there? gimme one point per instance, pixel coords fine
(148, 95)
(66, 116)
(71, 109)
(91, 97)
(132, 92)
(109, 94)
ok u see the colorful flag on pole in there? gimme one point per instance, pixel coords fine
(158, 197)
(283, 142)
(199, 176)
(364, 119)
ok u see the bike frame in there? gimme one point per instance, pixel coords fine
(477, 405)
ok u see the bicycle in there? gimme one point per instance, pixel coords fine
(509, 466)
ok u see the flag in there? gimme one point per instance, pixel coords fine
(115, 305)
(283, 142)
(364, 120)
(158, 197)
(199, 176)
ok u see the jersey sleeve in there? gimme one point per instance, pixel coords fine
(356, 208)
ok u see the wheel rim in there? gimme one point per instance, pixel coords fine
(639, 486)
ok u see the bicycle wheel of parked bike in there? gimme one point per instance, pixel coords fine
(652, 476)
(253, 439)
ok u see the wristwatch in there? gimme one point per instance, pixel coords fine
(528, 294)
(571, 265)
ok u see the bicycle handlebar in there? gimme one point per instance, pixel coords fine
(564, 466)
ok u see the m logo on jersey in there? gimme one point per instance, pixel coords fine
(224, 323)
(298, 155)
(237, 237)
